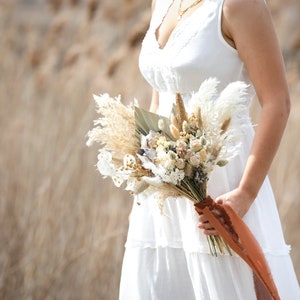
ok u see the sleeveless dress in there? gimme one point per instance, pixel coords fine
(166, 255)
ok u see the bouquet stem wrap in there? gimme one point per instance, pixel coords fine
(240, 239)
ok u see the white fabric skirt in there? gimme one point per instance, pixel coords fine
(172, 273)
(167, 256)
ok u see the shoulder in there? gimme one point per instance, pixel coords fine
(245, 15)
(240, 9)
(153, 5)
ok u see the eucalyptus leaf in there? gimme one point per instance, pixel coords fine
(146, 121)
(222, 163)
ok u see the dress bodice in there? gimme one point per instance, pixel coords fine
(195, 51)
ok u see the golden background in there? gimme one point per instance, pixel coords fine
(62, 226)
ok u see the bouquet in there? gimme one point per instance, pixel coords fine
(175, 155)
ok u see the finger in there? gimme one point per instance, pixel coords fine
(202, 219)
(201, 225)
(219, 201)
(207, 229)
(205, 226)
(217, 213)
(210, 232)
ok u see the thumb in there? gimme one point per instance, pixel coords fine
(219, 201)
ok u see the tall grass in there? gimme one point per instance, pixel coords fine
(62, 227)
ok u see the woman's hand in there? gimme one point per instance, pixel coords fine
(238, 200)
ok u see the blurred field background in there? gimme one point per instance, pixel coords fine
(62, 227)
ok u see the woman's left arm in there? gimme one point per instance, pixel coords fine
(249, 25)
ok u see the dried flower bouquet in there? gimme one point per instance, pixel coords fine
(176, 154)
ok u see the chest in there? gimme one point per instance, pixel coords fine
(193, 52)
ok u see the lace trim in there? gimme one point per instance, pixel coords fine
(164, 244)
(185, 32)
(181, 36)
(285, 250)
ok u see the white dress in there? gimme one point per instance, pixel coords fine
(167, 256)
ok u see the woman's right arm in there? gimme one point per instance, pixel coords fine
(154, 101)
(153, 5)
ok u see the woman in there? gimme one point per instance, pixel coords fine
(167, 256)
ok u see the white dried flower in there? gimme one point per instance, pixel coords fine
(136, 186)
(118, 179)
(207, 92)
(195, 145)
(167, 160)
(129, 162)
(153, 181)
(104, 165)
(195, 161)
(180, 164)
(188, 154)
(173, 177)
(176, 176)
(180, 144)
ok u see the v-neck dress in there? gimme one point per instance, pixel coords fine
(166, 255)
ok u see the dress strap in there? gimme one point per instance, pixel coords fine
(220, 34)
(157, 27)
(159, 13)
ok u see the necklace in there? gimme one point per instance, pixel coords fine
(181, 11)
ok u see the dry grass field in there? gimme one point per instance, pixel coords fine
(62, 227)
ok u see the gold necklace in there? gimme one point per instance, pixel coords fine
(181, 11)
